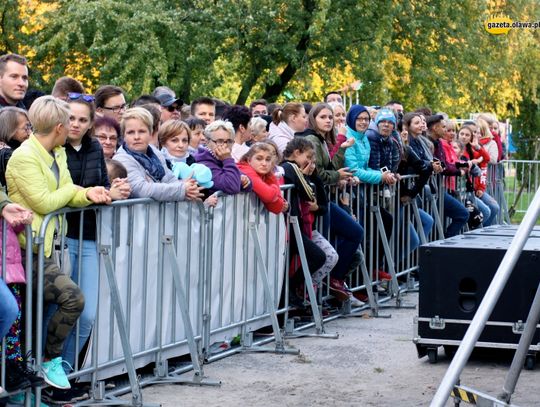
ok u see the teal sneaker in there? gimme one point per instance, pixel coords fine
(18, 400)
(54, 374)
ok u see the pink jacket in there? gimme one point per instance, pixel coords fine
(14, 270)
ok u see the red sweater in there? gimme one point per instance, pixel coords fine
(479, 182)
(266, 187)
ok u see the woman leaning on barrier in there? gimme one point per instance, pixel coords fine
(147, 170)
(38, 179)
(348, 232)
(86, 164)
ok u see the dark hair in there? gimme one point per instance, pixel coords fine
(272, 107)
(65, 85)
(329, 136)
(103, 93)
(297, 143)
(194, 122)
(407, 119)
(286, 112)
(156, 115)
(238, 115)
(221, 106)
(145, 100)
(107, 121)
(393, 102)
(308, 106)
(4, 59)
(203, 100)
(333, 92)
(115, 169)
(258, 102)
(426, 111)
(91, 109)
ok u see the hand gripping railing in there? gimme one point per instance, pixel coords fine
(491, 297)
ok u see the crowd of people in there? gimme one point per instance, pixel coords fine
(73, 148)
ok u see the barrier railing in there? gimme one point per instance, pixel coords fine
(178, 279)
(513, 183)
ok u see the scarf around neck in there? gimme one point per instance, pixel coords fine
(149, 161)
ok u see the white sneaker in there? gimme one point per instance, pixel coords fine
(355, 302)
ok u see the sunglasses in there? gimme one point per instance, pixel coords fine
(173, 108)
(76, 96)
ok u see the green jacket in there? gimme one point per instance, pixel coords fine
(32, 184)
(326, 167)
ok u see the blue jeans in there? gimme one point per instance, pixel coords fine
(482, 207)
(88, 282)
(8, 309)
(349, 235)
(493, 206)
(456, 211)
(414, 238)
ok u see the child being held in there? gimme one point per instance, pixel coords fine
(258, 164)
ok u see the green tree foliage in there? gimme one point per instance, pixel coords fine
(434, 53)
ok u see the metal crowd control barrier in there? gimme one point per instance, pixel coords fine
(451, 377)
(176, 279)
(513, 183)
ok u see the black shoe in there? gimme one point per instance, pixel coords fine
(60, 396)
(14, 380)
(22, 369)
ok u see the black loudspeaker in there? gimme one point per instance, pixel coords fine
(502, 230)
(454, 276)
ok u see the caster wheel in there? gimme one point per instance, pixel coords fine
(530, 362)
(432, 355)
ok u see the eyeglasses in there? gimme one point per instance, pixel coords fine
(222, 142)
(116, 109)
(173, 108)
(26, 128)
(363, 120)
(76, 95)
(103, 138)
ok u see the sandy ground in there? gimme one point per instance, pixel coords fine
(373, 363)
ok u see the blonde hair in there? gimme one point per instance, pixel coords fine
(46, 113)
(483, 126)
(172, 128)
(139, 113)
(450, 124)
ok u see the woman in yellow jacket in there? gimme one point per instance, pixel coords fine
(38, 179)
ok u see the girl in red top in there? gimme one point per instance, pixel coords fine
(258, 164)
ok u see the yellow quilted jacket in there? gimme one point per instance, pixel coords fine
(32, 184)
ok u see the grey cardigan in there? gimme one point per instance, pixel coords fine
(169, 188)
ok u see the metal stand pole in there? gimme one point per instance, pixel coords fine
(488, 303)
(522, 350)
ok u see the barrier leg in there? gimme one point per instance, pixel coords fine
(390, 260)
(280, 345)
(372, 298)
(196, 358)
(315, 310)
(437, 217)
(136, 394)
